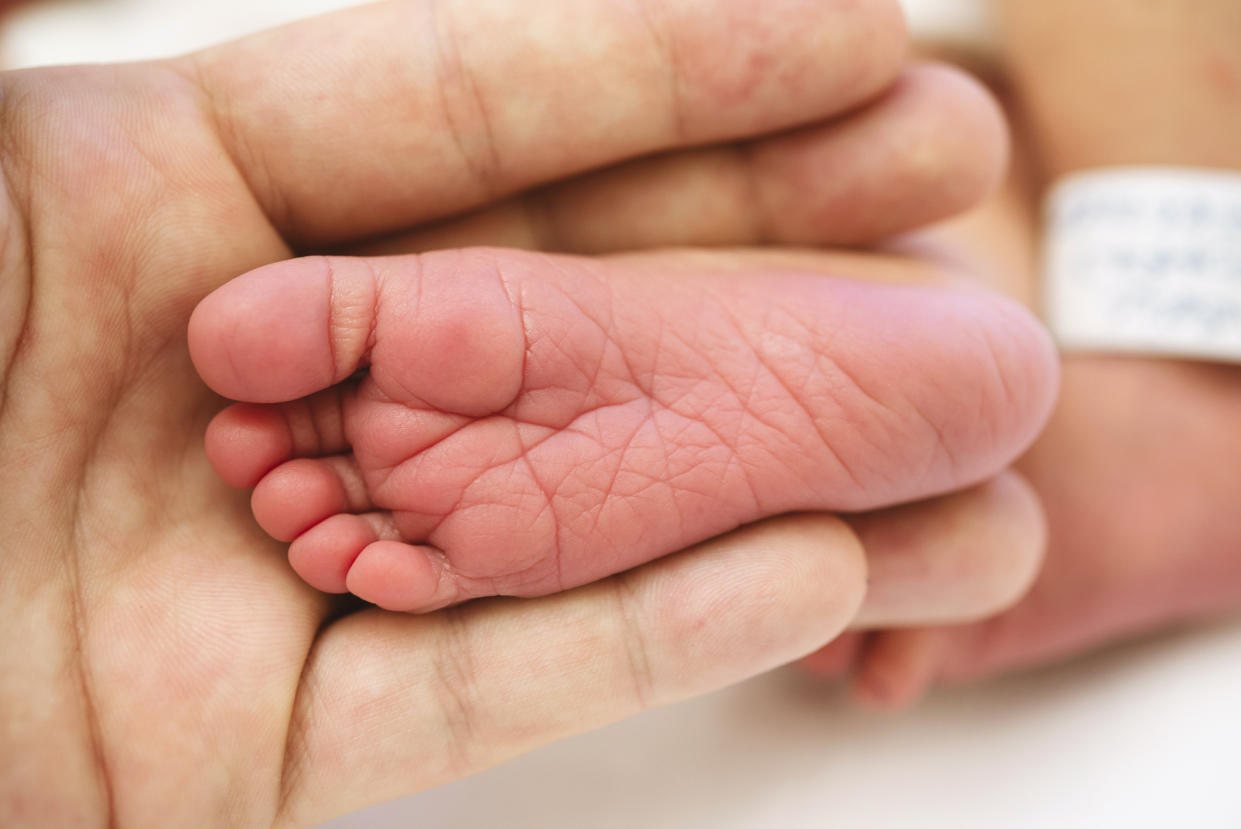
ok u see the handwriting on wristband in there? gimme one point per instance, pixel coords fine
(1148, 260)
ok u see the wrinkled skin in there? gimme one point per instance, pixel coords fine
(544, 421)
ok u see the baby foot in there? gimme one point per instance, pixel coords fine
(527, 423)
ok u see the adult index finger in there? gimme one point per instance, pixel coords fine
(392, 704)
(376, 118)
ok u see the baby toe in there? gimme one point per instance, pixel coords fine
(409, 578)
(299, 494)
(323, 554)
(247, 440)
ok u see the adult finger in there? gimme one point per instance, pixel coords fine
(391, 704)
(380, 117)
(932, 146)
(954, 559)
(945, 561)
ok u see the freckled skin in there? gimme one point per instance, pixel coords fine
(530, 423)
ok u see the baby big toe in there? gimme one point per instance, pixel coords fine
(283, 331)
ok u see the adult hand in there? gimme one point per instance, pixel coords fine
(160, 662)
(1140, 468)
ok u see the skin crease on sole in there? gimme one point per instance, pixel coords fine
(931, 107)
(528, 423)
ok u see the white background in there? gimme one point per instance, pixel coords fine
(1145, 735)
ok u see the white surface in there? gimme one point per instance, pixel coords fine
(1146, 260)
(99, 31)
(1146, 736)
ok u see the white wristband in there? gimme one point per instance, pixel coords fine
(1147, 260)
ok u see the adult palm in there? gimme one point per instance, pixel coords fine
(161, 663)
